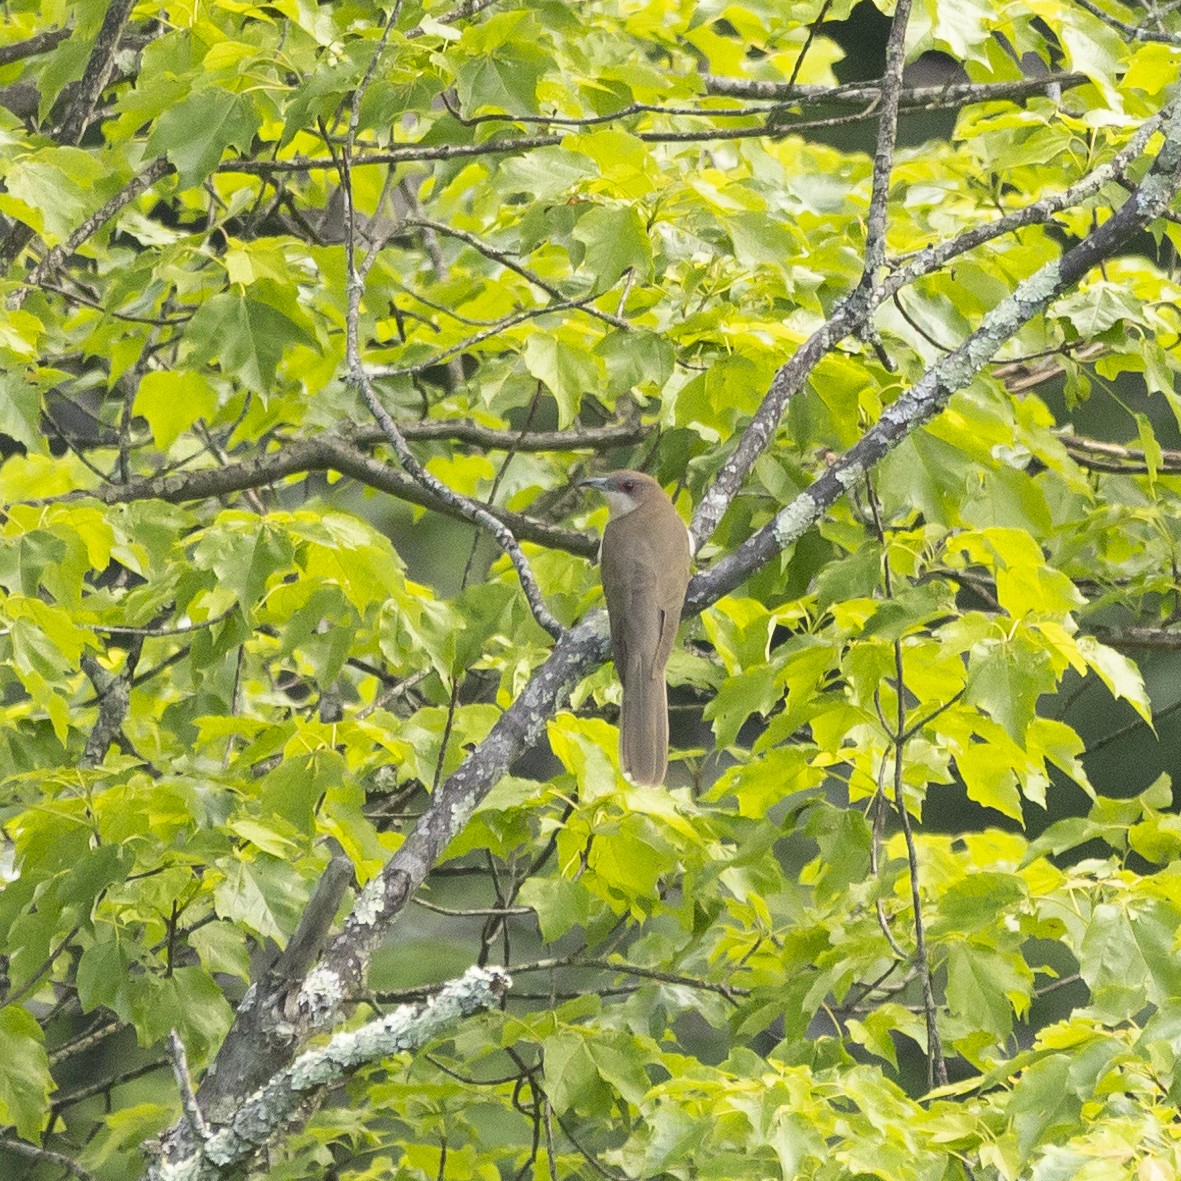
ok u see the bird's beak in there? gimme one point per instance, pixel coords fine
(599, 482)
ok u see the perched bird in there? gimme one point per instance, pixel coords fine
(644, 560)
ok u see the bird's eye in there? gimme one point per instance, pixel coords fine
(629, 485)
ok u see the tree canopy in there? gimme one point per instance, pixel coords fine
(313, 316)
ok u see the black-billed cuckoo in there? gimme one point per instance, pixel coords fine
(644, 560)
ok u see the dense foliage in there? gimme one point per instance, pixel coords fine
(306, 305)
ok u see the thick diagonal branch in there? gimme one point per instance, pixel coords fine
(187, 1156)
(853, 313)
(952, 372)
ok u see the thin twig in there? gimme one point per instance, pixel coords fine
(729, 991)
(33, 46)
(119, 629)
(98, 1032)
(508, 261)
(359, 378)
(55, 257)
(469, 342)
(813, 30)
(45, 1156)
(1134, 32)
(328, 452)
(474, 911)
(883, 159)
(936, 1064)
(476, 513)
(460, 12)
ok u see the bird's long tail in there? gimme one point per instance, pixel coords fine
(643, 726)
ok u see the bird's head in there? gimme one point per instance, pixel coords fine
(625, 490)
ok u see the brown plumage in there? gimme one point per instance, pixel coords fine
(644, 561)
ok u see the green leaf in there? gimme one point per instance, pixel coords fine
(52, 190)
(624, 160)
(1118, 673)
(984, 986)
(741, 696)
(1154, 927)
(1024, 582)
(566, 371)
(635, 360)
(845, 849)
(1149, 67)
(573, 1082)
(25, 1081)
(619, 1064)
(1043, 1106)
(297, 785)
(768, 779)
(245, 554)
(172, 401)
(560, 904)
(1006, 680)
(875, 1034)
(20, 401)
(977, 902)
(615, 241)
(1111, 963)
(264, 893)
(581, 744)
(197, 1010)
(504, 65)
(197, 131)
(102, 976)
(1097, 308)
(246, 337)
(1157, 839)
(546, 173)
(222, 948)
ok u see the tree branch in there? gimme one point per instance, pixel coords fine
(97, 74)
(45, 1156)
(184, 1084)
(493, 330)
(336, 452)
(56, 257)
(359, 378)
(1134, 32)
(852, 314)
(859, 94)
(897, 735)
(33, 46)
(114, 699)
(929, 395)
(1097, 456)
(883, 159)
(99, 67)
(507, 260)
(260, 1016)
(622, 968)
(185, 1156)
